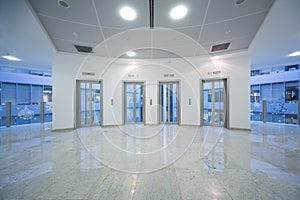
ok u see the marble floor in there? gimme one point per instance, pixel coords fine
(152, 162)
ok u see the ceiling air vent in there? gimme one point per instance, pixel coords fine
(84, 49)
(220, 47)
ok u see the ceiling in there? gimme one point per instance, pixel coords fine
(35, 30)
(22, 35)
(97, 23)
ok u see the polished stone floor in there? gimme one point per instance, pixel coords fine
(152, 162)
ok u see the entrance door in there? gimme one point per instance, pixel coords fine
(169, 102)
(134, 102)
(88, 103)
(214, 101)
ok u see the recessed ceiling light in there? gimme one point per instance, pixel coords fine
(239, 2)
(75, 34)
(178, 12)
(296, 53)
(227, 31)
(128, 13)
(12, 58)
(131, 53)
(63, 4)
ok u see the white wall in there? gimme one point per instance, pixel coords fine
(69, 67)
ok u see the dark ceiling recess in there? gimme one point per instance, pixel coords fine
(83, 49)
(220, 47)
(151, 9)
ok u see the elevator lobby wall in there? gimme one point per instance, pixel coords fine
(68, 67)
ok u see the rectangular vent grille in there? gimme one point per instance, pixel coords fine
(83, 49)
(220, 47)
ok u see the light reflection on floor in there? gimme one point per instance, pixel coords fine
(150, 162)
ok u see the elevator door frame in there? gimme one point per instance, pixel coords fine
(225, 103)
(78, 103)
(178, 102)
(125, 102)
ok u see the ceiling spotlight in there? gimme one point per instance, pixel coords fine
(239, 2)
(296, 53)
(128, 13)
(178, 12)
(131, 53)
(63, 4)
(12, 58)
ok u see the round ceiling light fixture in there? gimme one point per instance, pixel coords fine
(178, 12)
(239, 2)
(128, 13)
(130, 53)
(63, 4)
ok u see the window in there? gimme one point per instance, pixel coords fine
(291, 67)
(255, 93)
(291, 91)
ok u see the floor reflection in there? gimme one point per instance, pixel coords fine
(150, 162)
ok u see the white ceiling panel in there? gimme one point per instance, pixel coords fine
(194, 17)
(192, 32)
(109, 32)
(238, 28)
(108, 12)
(220, 10)
(170, 38)
(134, 38)
(79, 11)
(65, 46)
(64, 30)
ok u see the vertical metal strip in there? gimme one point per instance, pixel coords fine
(91, 113)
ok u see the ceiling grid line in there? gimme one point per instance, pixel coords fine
(201, 28)
(235, 18)
(101, 30)
(65, 20)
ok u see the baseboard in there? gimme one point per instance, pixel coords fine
(239, 129)
(63, 129)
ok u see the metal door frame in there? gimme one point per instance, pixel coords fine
(134, 102)
(78, 103)
(225, 101)
(177, 101)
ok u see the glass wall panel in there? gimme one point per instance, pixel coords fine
(37, 93)
(23, 94)
(8, 92)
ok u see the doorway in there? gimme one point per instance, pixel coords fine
(169, 106)
(134, 102)
(89, 98)
(214, 102)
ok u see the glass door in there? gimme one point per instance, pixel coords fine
(134, 102)
(88, 103)
(214, 101)
(169, 102)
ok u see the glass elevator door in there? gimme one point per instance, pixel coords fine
(169, 102)
(88, 103)
(134, 103)
(214, 102)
